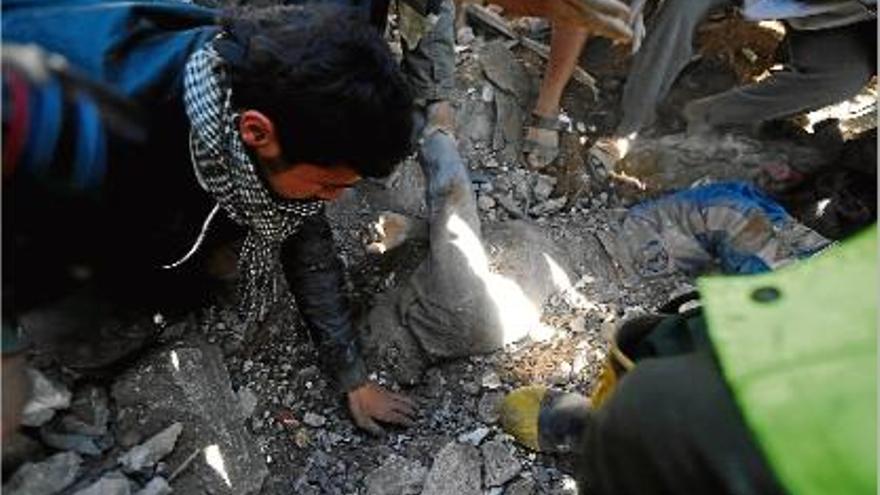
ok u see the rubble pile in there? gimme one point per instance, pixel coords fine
(216, 407)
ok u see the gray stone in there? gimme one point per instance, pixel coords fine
(487, 408)
(156, 486)
(543, 187)
(475, 122)
(189, 384)
(471, 388)
(456, 471)
(147, 454)
(248, 401)
(474, 437)
(47, 477)
(81, 444)
(488, 93)
(465, 35)
(578, 324)
(491, 380)
(549, 206)
(500, 463)
(504, 70)
(396, 476)
(524, 486)
(485, 202)
(46, 398)
(314, 420)
(89, 412)
(113, 483)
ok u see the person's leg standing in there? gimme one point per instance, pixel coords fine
(826, 67)
(666, 50)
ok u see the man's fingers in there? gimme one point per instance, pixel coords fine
(614, 28)
(403, 399)
(397, 417)
(376, 248)
(614, 8)
(366, 423)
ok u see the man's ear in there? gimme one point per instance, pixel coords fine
(258, 133)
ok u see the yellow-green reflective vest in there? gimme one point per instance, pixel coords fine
(799, 350)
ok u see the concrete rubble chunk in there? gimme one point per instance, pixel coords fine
(147, 454)
(544, 185)
(314, 420)
(456, 471)
(500, 463)
(248, 401)
(491, 380)
(81, 444)
(503, 69)
(189, 383)
(487, 408)
(89, 412)
(156, 486)
(113, 483)
(474, 437)
(396, 476)
(45, 478)
(46, 398)
(524, 486)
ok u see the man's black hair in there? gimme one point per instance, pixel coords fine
(326, 79)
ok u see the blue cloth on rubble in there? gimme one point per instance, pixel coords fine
(731, 226)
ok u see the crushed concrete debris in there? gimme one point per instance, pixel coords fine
(46, 398)
(500, 463)
(487, 408)
(45, 478)
(396, 476)
(456, 471)
(314, 420)
(147, 454)
(474, 437)
(113, 483)
(156, 486)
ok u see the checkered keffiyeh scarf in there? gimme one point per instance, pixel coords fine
(226, 171)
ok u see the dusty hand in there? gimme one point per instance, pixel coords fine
(370, 403)
(390, 231)
(609, 18)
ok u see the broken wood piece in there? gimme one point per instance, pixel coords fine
(183, 465)
(498, 23)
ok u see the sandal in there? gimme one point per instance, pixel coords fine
(538, 154)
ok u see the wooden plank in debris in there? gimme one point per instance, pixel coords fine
(498, 23)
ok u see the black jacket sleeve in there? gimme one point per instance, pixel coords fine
(315, 275)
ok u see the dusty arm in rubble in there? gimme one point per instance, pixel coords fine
(315, 275)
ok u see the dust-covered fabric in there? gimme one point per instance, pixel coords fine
(732, 227)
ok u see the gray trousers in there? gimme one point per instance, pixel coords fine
(825, 67)
(667, 48)
(443, 310)
(430, 65)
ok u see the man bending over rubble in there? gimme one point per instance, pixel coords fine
(250, 124)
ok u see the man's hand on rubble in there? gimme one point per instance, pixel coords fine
(607, 18)
(370, 403)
